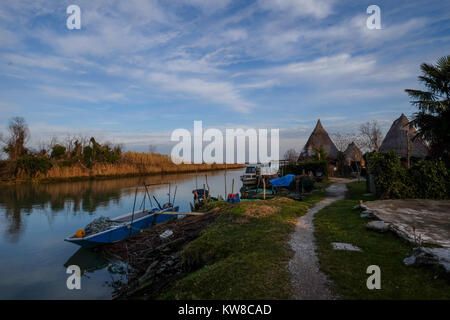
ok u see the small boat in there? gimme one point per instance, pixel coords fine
(127, 225)
(250, 177)
(104, 230)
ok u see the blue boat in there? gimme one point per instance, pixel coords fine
(126, 225)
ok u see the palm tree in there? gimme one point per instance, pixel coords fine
(433, 117)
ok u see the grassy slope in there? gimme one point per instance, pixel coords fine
(244, 254)
(347, 270)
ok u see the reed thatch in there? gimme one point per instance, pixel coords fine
(353, 154)
(319, 137)
(397, 140)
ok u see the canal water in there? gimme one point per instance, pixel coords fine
(35, 219)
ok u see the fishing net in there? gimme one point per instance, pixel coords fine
(100, 224)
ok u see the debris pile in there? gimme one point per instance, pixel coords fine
(100, 224)
(154, 256)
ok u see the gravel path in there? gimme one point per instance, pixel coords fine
(308, 282)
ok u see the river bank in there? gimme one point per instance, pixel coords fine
(234, 251)
(96, 175)
(36, 217)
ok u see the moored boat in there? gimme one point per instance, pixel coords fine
(125, 226)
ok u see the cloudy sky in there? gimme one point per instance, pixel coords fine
(139, 69)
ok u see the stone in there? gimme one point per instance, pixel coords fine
(410, 261)
(345, 246)
(429, 256)
(367, 214)
(379, 226)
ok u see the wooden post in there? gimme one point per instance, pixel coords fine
(232, 187)
(264, 186)
(225, 175)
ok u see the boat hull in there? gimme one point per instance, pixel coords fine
(123, 231)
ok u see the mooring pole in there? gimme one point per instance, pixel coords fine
(264, 186)
(132, 216)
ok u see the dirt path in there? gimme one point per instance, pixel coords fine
(308, 282)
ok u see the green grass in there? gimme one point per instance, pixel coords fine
(347, 270)
(244, 254)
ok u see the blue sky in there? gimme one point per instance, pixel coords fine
(139, 69)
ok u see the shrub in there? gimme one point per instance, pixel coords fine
(426, 179)
(58, 152)
(31, 164)
(390, 176)
(430, 180)
(308, 166)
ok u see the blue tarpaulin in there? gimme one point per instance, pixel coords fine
(284, 181)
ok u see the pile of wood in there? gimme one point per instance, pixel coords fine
(154, 260)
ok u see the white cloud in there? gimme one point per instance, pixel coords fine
(315, 8)
(216, 91)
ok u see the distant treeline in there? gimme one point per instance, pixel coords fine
(81, 158)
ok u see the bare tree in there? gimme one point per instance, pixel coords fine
(18, 136)
(342, 140)
(371, 135)
(291, 156)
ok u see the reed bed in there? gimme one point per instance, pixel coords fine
(130, 164)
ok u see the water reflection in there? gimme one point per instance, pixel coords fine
(74, 197)
(87, 260)
(35, 219)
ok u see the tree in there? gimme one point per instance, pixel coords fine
(319, 154)
(342, 140)
(371, 136)
(433, 118)
(58, 152)
(18, 136)
(291, 156)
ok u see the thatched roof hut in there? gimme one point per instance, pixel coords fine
(319, 137)
(400, 137)
(353, 154)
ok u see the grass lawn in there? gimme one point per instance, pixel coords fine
(244, 254)
(347, 270)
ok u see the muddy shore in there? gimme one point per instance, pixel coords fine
(156, 262)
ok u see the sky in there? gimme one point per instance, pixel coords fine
(138, 69)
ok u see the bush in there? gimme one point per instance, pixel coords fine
(426, 179)
(389, 175)
(31, 164)
(58, 152)
(308, 166)
(430, 180)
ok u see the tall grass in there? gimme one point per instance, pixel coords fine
(130, 164)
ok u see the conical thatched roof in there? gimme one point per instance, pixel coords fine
(397, 140)
(353, 153)
(319, 137)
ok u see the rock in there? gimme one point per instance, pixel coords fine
(409, 261)
(429, 256)
(367, 214)
(360, 206)
(379, 226)
(345, 246)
